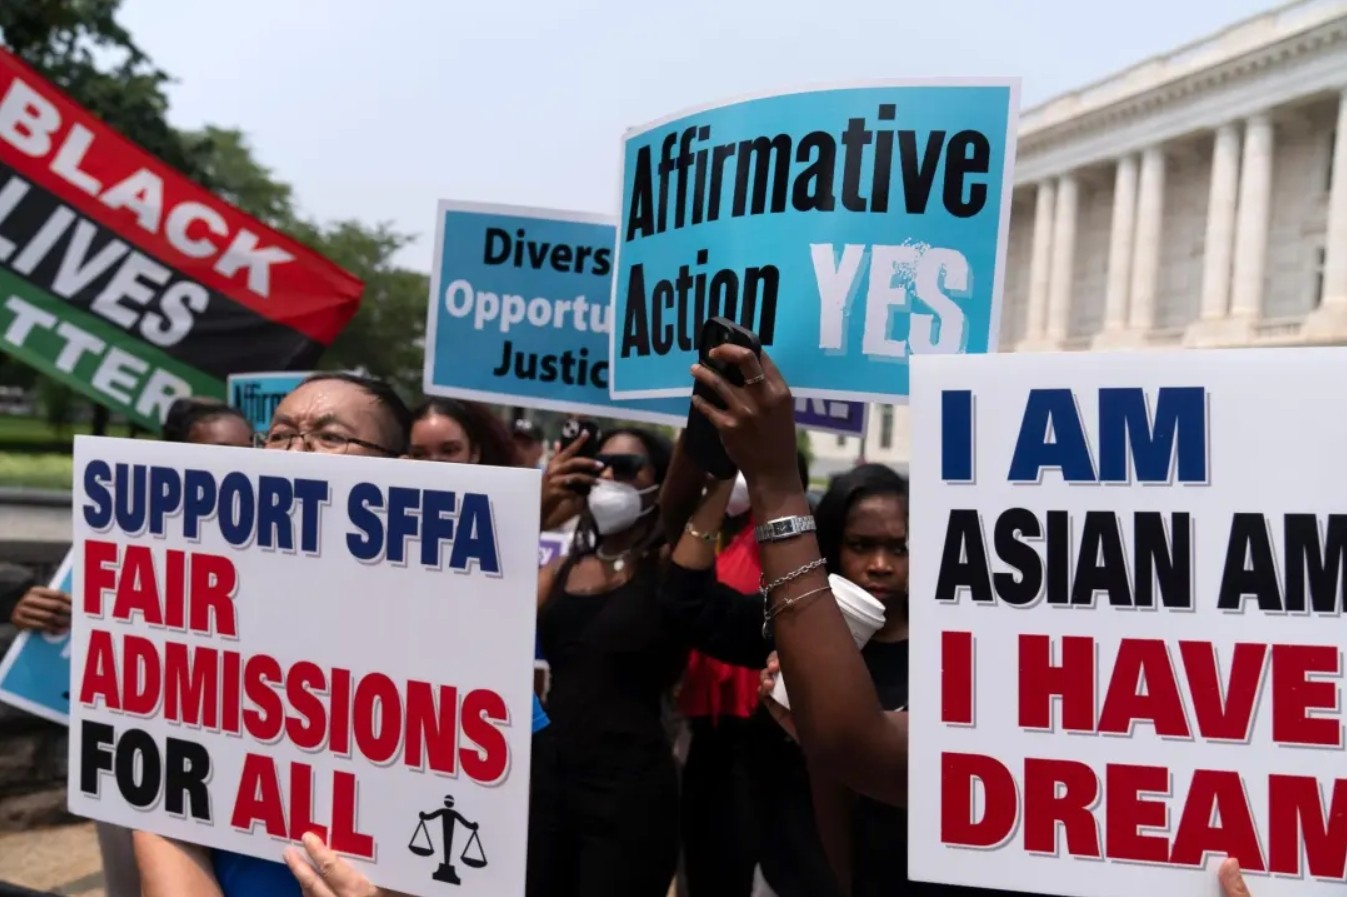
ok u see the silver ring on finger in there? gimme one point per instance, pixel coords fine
(753, 381)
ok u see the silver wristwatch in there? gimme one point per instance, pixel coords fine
(783, 528)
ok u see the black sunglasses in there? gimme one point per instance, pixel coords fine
(624, 467)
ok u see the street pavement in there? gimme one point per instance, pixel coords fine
(61, 860)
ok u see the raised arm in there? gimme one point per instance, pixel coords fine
(681, 493)
(711, 616)
(841, 726)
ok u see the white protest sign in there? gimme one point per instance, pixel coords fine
(269, 643)
(1127, 603)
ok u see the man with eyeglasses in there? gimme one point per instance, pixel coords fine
(340, 414)
(332, 413)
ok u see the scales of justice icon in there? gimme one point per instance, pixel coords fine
(423, 845)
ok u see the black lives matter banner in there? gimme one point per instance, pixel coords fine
(128, 282)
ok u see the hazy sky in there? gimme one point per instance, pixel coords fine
(374, 109)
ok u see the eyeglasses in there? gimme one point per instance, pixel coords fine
(624, 467)
(324, 441)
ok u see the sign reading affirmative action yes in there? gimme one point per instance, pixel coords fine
(850, 228)
(271, 643)
(1128, 588)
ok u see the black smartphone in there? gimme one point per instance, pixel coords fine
(700, 440)
(571, 431)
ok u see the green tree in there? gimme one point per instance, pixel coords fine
(78, 46)
(226, 161)
(58, 405)
(804, 445)
(387, 336)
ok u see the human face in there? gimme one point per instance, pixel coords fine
(630, 462)
(530, 451)
(437, 437)
(349, 416)
(874, 548)
(223, 430)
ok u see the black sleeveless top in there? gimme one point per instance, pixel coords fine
(613, 658)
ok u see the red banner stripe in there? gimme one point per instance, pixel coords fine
(53, 141)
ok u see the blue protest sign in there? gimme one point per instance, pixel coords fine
(850, 228)
(35, 674)
(552, 546)
(257, 395)
(519, 314)
(832, 415)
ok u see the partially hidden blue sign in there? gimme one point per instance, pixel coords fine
(850, 228)
(258, 394)
(35, 674)
(519, 314)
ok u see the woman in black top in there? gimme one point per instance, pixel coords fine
(851, 730)
(862, 528)
(604, 802)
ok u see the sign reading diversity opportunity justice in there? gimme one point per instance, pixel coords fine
(269, 643)
(850, 228)
(1131, 595)
(519, 314)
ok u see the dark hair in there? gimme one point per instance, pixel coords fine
(186, 413)
(660, 452)
(485, 430)
(657, 448)
(399, 419)
(830, 517)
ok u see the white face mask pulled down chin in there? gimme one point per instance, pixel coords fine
(739, 502)
(616, 506)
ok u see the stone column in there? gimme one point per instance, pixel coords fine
(1328, 323)
(1036, 319)
(1062, 271)
(1221, 206)
(1146, 255)
(1255, 211)
(1120, 244)
(1335, 260)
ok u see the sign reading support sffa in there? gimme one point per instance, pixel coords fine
(129, 283)
(35, 674)
(1131, 622)
(850, 228)
(272, 643)
(519, 314)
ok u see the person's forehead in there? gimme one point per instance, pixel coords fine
(878, 513)
(439, 426)
(336, 399)
(624, 444)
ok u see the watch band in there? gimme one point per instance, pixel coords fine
(783, 528)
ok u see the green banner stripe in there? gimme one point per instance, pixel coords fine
(39, 329)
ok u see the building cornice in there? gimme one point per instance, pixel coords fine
(1235, 41)
(1312, 60)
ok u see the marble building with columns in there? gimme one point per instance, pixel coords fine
(1197, 199)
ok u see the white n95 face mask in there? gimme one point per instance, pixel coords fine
(739, 502)
(616, 506)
